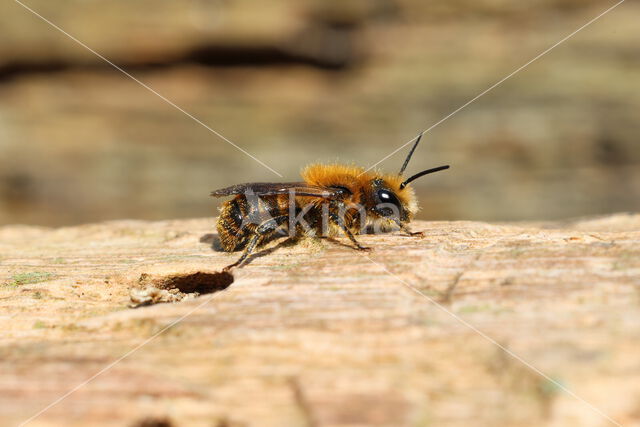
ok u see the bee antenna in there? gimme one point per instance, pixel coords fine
(406, 161)
(418, 175)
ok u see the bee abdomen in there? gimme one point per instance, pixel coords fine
(233, 236)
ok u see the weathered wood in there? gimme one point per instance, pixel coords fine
(319, 334)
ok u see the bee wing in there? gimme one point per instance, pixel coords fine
(272, 188)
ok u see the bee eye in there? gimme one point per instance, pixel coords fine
(386, 196)
(384, 199)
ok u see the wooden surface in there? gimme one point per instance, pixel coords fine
(317, 334)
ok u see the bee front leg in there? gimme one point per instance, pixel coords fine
(335, 218)
(408, 232)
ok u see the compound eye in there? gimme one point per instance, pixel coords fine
(386, 197)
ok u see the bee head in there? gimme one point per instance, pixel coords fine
(392, 202)
(393, 197)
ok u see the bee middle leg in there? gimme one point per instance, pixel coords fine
(336, 218)
(260, 233)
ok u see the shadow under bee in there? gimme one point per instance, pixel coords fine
(213, 239)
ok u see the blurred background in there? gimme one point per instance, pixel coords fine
(299, 81)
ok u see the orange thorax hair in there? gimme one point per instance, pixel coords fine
(358, 182)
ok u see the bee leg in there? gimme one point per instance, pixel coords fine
(409, 232)
(260, 232)
(247, 251)
(348, 232)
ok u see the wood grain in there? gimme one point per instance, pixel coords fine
(316, 334)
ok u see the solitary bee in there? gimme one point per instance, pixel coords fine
(332, 199)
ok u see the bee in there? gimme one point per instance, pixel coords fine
(332, 199)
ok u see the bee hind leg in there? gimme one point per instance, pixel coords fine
(261, 231)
